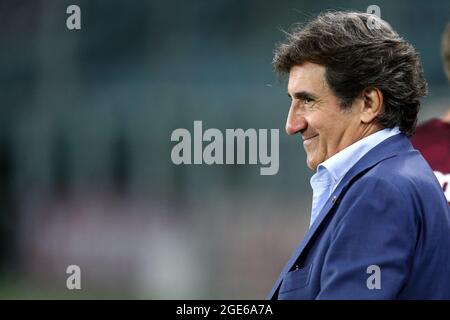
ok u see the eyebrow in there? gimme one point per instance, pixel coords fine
(303, 95)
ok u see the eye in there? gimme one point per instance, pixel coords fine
(308, 102)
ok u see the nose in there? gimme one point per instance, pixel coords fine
(295, 122)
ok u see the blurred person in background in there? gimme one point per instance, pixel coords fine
(380, 224)
(432, 138)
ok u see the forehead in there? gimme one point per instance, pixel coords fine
(308, 77)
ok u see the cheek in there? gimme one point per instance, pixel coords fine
(314, 149)
(321, 147)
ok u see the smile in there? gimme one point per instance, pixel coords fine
(306, 139)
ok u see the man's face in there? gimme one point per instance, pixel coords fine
(315, 113)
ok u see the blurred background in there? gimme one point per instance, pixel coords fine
(86, 176)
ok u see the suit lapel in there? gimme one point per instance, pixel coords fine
(386, 149)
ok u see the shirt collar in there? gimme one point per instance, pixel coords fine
(339, 164)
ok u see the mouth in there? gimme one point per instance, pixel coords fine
(309, 138)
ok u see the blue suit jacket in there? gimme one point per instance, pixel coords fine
(388, 211)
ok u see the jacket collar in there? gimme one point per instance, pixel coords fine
(387, 149)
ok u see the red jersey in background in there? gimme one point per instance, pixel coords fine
(432, 139)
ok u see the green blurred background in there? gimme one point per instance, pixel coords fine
(86, 176)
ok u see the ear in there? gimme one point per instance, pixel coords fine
(372, 105)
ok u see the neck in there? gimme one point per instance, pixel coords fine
(370, 129)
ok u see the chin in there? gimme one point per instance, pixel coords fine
(311, 165)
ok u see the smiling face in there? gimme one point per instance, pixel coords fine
(316, 114)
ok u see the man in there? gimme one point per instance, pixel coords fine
(432, 138)
(380, 224)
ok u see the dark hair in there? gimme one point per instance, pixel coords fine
(359, 51)
(446, 50)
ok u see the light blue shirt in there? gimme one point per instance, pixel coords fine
(330, 172)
